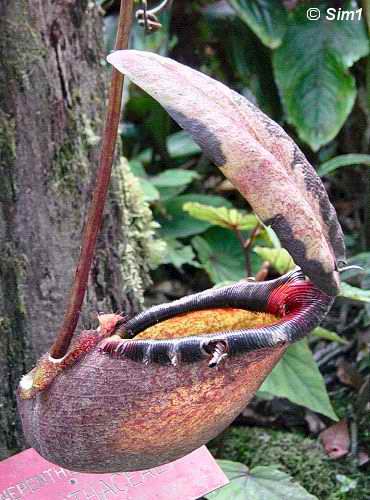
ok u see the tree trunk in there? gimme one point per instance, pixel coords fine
(52, 87)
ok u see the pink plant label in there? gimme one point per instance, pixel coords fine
(27, 475)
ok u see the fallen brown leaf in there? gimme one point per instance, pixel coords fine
(335, 439)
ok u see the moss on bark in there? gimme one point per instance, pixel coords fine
(13, 349)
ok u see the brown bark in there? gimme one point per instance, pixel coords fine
(52, 87)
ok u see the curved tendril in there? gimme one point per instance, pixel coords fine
(148, 17)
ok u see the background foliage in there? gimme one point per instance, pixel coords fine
(313, 77)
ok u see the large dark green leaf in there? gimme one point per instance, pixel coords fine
(259, 483)
(267, 18)
(178, 254)
(311, 72)
(220, 254)
(175, 223)
(249, 62)
(297, 378)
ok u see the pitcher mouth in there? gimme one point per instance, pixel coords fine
(292, 304)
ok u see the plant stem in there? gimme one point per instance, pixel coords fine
(242, 242)
(263, 271)
(95, 215)
(247, 246)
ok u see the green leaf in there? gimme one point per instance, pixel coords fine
(271, 237)
(249, 62)
(178, 254)
(173, 181)
(137, 168)
(221, 216)
(175, 223)
(150, 192)
(352, 292)
(266, 18)
(220, 254)
(343, 161)
(171, 192)
(181, 144)
(323, 333)
(165, 185)
(311, 73)
(297, 378)
(279, 258)
(174, 177)
(259, 483)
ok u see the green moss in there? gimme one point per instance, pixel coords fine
(68, 169)
(23, 50)
(140, 249)
(297, 455)
(62, 163)
(4, 325)
(7, 140)
(7, 158)
(12, 265)
(70, 163)
(12, 342)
